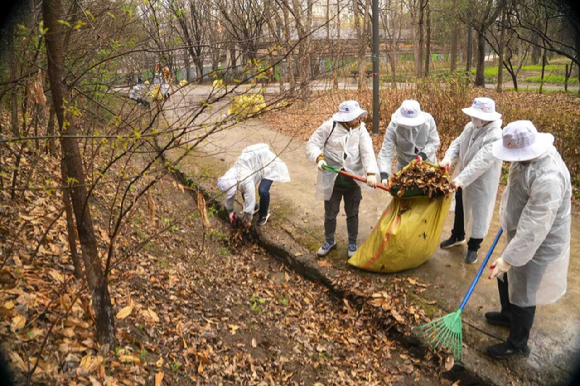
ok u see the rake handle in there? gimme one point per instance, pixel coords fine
(354, 177)
(480, 271)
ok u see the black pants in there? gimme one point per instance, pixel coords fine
(264, 192)
(352, 198)
(459, 226)
(521, 318)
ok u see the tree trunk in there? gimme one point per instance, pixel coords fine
(454, 43)
(393, 64)
(469, 52)
(543, 69)
(428, 40)
(480, 71)
(50, 131)
(199, 70)
(13, 91)
(362, 44)
(70, 223)
(337, 65)
(501, 54)
(96, 279)
(419, 41)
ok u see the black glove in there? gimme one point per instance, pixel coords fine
(422, 155)
(384, 176)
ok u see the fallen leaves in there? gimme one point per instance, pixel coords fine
(125, 311)
(424, 178)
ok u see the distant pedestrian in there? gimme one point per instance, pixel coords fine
(137, 93)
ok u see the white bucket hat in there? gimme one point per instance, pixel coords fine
(482, 108)
(409, 114)
(228, 183)
(347, 111)
(521, 142)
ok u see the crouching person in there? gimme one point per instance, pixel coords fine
(257, 165)
(343, 143)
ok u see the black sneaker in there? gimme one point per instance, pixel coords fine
(505, 350)
(471, 257)
(498, 319)
(451, 242)
(263, 220)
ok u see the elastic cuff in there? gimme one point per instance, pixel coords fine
(370, 174)
(320, 157)
(422, 155)
(384, 176)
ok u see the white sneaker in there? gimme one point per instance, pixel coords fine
(326, 248)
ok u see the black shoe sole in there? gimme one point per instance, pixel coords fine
(455, 244)
(496, 323)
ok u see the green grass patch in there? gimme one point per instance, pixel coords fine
(551, 78)
(549, 67)
(488, 72)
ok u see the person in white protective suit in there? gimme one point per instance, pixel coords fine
(535, 214)
(342, 142)
(256, 165)
(476, 176)
(411, 133)
(138, 91)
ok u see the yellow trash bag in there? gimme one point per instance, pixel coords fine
(156, 93)
(406, 235)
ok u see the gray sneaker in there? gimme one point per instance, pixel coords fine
(326, 248)
(352, 248)
(471, 257)
(263, 220)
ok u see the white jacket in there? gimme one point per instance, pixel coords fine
(536, 215)
(351, 150)
(408, 142)
(255, 163)
(478, 172)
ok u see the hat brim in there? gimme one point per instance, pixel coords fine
(400, 120)
(347, 117)
(481, 115)
(538, 148)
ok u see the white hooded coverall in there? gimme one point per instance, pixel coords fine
(478, 172)
(536, 215)
(408, 142)
(351, 150)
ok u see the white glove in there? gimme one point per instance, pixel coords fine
(371, 180)
(457, 182)
(321, 163)
(499, 268)
(385, 182)
(232, 217)
(444, 163)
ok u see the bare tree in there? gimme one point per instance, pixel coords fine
(105, 322)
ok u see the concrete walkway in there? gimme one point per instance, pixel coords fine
(555, 339)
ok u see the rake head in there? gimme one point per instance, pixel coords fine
(444, 332)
